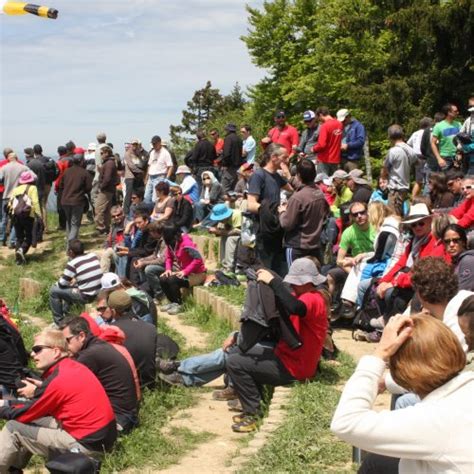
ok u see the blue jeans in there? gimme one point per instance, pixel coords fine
(61, 299)
(153, 180)
(202, 369)
(120, 265)
(406, 400)
(364, 285)
(4, 223)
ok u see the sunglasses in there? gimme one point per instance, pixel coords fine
(101, 309)
(418, 224)
(456, 241)
(467, 187)
(358, 214)
(38, 349)
(116, 216)
(206, 179)
(280, 116)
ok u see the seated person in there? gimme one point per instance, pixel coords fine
(395, 289)
(59, 416)
(343, 193)
(466, 323)
(455, 243)
(226, 224)
(411, 348)
(282, 365)
(164, 204)
(109, 366)
(138, 204)
(454, 180)
(180, 251)
(464, 213)
(242, 186)
(79, 283)
(360, 187)
(357, 239)
(140, 337)
(183, 210)
(189, 185)
(211, 194)
(115, 239)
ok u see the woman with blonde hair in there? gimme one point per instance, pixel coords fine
(434, 436)
(378, 211)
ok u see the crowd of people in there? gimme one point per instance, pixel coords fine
(319, 247)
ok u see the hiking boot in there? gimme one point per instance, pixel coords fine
(247, 424)
(238, 418)
(166, 307)
(175, 378)
(175, 309)
(234, 405)
(347, 311)
(20, 256)
(372, 337)
(377, 323)
(224, 395)
(167, 366)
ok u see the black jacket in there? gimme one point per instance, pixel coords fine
(145, 246)
(203, 155)
(362, 193)
(141, 342)
(232, 153)
(183, 213)
(113, 372)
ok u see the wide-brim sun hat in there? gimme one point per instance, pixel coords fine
(183, 169)
(417, 213)
(109, 280)
(303, 271)
(26, 178)
(220, 212)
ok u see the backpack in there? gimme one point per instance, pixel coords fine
(369, 309)
(21, 205)
(51, 169)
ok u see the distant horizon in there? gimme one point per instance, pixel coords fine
(127, 69)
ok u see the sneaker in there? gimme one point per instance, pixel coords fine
(372, 337)
(247, 424)
(175, 309)
(175, 378)
(234, 405)
(238, 418)
(377, 323)
(166, 307)
(167, 366)
(224, 395)
(20, 256)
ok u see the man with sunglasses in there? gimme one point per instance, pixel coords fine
(284, 134)
(59, 415)
(115, 239)
(454, 179)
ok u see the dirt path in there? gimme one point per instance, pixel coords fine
(207, 416)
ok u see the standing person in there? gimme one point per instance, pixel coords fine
(160, 167)
(108, 180)
(426, 149)
(101, 138)
(249, 145)
(79, 284)
(37, 167)
(263, 200)
(284, 134)
(74, 187)
(6, 152)
(202, 157)
(328, 148)
(231, 158)
(443, 134)
(310, 135)
(136, 159)
(398, 163)
(24, 221)
(51, 172)
(468, 129)
(58, 416)
(415, 142)
(353, 140)
(9, 174)
(64, 162)
(303, 217)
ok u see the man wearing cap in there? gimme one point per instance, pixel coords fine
(328, 147)
(140, 337)
(343, 193)
(284, 134)
(89, 159)
(307, 311)
(37, 167)
(226, 225)
(160, 167)
(202, 157)
(9, 175)
(309, 137)
(136, 160)
(242, 186)
(353, 140)
(249, 145)
(468, 129)
(231, 158)
(360, 187)
(454, 180)
(189, 186)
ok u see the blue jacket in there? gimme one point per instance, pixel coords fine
(354, 138)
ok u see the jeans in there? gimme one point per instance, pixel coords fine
(293, 254)
(328, 168)
(229, 179)
(61, 299)
(364, 285)
(153, 180)
(201, 210)
(152, 275)
(202, 369)
(73, 221)
(4, 224)
(406, 400)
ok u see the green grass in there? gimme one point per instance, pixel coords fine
(304, 442)
(232, 294)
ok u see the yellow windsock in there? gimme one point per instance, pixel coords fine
(16, 8)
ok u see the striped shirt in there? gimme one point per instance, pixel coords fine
(86, 272)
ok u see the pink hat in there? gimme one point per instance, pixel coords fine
(26, 178)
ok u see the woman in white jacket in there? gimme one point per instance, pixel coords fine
(437, 434)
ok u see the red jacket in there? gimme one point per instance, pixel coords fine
(66, 394)
(328, 147)
(464, 213)
(432, 248)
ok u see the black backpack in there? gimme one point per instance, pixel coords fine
(51, 170)
(370, 309)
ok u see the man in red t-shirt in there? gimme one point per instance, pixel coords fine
(282, 365)
(328, 148)
(284, 134)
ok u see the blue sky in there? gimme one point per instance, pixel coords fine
(124, 67)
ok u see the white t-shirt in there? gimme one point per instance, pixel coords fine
(415, 141)
(159, 162)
